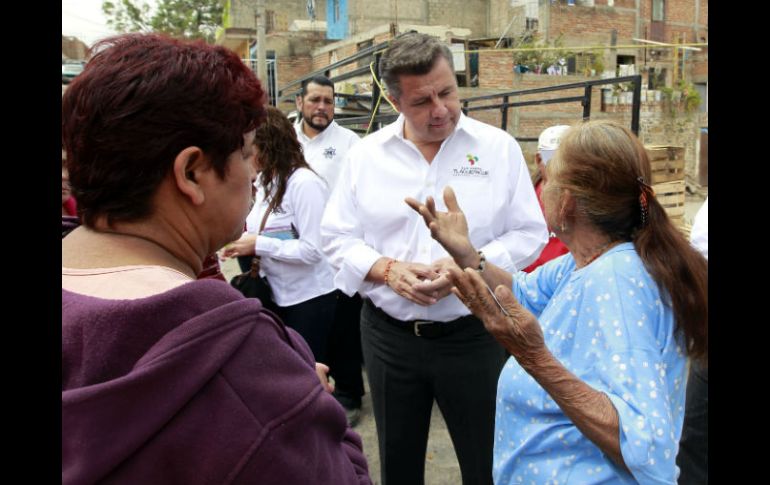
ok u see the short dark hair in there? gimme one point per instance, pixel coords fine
(411, 53)
(320, 80)
(142, 99)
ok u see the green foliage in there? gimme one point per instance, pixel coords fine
(682, 97)
(532, 59)
(190, 19)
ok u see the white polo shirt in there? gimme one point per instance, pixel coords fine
(326, 152)
(366, 216)
(296, 268)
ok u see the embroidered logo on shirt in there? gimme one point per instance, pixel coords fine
(472, 171)
(330, 152)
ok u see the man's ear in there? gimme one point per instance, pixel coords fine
(189, 166)
(298, 102)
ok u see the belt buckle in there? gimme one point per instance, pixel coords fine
(417, 324)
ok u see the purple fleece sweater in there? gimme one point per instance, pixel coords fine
(196, 385)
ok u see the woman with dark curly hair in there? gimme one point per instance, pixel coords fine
(289, 247)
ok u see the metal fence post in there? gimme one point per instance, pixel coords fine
(504, 110)
(587, 102)
(637, 100)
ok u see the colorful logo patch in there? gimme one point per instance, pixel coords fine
(472, 159)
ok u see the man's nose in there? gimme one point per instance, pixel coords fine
(438, 108)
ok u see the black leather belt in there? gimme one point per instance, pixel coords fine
(425, 328)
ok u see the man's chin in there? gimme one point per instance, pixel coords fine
(316, 126)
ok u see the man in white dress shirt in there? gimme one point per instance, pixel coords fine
(325, 144)
(420, 343)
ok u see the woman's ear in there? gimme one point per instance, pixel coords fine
(189, 165)
(567, 206)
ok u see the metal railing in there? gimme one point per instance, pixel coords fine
(585, 100)
(377, 119)
(272, 77)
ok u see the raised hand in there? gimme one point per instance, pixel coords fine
(449, 228)
(519, 331)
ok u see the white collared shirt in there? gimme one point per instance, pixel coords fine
(326, 152)
(366, 216)
(699, 234)
(296, 268)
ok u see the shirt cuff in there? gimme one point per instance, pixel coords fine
(351, 276)
(266, 246)
(496, 253)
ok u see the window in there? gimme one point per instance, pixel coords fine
(658, 10)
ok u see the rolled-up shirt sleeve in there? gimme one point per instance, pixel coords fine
(342, 237)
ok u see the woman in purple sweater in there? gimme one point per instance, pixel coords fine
(166, 379)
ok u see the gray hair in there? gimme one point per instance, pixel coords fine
(411, 53)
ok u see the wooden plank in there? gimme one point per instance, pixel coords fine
(671, 196)
(664, 152)
(666, 162)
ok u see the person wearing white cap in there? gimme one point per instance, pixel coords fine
(547, 144)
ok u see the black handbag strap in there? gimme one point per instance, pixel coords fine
(254, 272)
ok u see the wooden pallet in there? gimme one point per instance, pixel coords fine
(667, 162)
(671, 196)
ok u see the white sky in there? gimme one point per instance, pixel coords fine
(84, 19)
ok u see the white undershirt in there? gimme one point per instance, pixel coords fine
(122, 282)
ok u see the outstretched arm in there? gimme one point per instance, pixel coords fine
(519, 332)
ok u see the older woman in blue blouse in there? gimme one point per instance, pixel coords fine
(594, 391)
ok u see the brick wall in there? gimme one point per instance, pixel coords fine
(578, 23)
(321, 60)
(495, 69)
(680, 11)
(469, 14)
(704, 13)
(291, 68)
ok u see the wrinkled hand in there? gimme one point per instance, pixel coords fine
(241, 247)
(323, 370)
(405, 276)
(441, 286)
(449, 228)
(519, 333)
